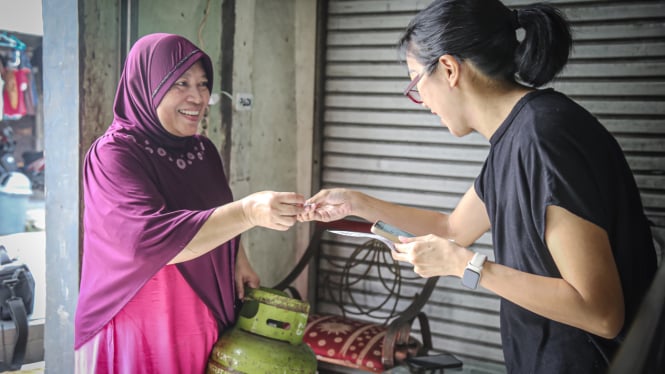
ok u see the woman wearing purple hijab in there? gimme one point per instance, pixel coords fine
(162, 264)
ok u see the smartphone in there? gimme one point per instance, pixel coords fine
(439, 361)
(389, 232)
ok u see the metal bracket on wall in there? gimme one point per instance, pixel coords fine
(244, 101)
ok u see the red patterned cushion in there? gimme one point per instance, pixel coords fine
(345, 341)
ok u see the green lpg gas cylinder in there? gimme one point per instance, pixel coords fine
(267, 337)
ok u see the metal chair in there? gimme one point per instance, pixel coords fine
(364, 304)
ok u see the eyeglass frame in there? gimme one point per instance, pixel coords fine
(410, 88)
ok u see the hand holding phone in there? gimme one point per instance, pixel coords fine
(389, 232)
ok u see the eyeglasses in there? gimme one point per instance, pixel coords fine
(411, 90)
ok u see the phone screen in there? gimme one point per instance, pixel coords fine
(389, 232)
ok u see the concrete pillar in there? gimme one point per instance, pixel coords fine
(62, 146)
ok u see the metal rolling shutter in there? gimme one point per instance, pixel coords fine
(377, 141)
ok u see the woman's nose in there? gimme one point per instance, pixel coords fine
(195, 95)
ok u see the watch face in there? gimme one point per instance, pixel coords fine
(470, 279)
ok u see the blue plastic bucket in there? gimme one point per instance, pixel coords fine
(15, 190)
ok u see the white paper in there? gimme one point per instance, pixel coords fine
(368, 235)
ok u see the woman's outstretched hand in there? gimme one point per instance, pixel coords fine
(328, 205)
(273, 210)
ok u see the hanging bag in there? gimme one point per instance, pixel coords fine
(17, 296)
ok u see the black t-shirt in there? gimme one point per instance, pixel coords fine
(551, 151)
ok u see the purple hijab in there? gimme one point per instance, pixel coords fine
(147, 193)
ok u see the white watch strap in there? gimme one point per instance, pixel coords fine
(477, 261)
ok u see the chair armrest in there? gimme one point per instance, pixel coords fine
(399, 329)
(346, 225)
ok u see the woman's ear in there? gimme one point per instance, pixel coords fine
(450, 69)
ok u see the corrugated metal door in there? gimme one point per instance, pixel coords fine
(377, 141)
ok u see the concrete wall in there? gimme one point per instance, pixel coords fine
(200, 22)
(266, 141)
(101, 56)
(272, 143)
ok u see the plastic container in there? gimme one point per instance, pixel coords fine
(15, 190)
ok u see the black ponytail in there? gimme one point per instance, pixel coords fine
(484, 32)
(546, 46)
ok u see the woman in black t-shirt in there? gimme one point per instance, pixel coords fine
(573, 249)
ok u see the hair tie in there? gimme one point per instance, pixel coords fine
(515, 20)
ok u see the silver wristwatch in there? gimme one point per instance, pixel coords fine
(471, 276)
